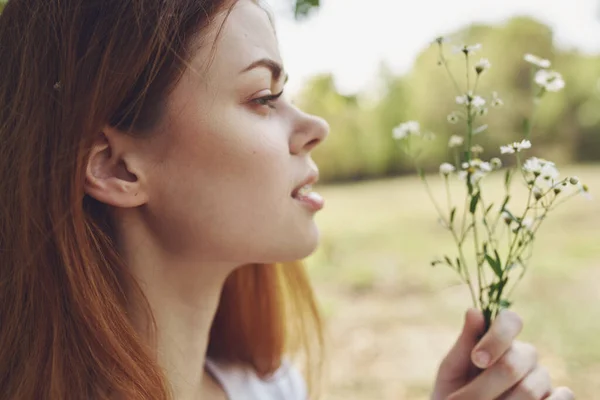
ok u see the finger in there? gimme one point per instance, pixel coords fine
(458, 361)
(497, 340)
(561, 393)
(535, 386)
(515, 364)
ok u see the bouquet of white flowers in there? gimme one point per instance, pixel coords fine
(501, 234)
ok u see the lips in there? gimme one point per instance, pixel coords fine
(305, 186)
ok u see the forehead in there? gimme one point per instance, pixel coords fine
(247, 34)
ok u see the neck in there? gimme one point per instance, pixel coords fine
(183, 297)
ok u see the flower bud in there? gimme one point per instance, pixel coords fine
(507, 218)
(574, 180)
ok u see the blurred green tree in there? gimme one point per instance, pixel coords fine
(567, 127)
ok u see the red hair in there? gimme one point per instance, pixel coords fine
(69, 67)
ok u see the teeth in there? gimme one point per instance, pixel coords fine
(304, 190)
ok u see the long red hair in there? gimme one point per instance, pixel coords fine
(66, 69)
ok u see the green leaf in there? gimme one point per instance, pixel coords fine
(495, 264)
(458, 265)
(487, 211)
(508, 178)
(511, 215)
(452, 215)
(493, 289)
(474, 201)
(504, 303)
(505, 203)
(498, 257)
(303, 7)
(469, 183)
(448, 261)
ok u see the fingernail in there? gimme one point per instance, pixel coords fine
(481, 359)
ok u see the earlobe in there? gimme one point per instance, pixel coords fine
(108, 178)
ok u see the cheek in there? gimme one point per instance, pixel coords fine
(223, 179)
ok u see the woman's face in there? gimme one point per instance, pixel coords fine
(223, 171)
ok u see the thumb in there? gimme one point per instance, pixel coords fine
(458, 365)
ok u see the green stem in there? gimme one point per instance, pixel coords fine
(447, 68)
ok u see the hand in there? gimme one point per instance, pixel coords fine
(495, 367)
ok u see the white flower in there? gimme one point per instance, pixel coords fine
(475, 101)
(527, 223)
(467, 49)
(464, 99)
(477, 149)
(496, 101)
(476, 168)
(496, 163)
(476, 176)
(549, 172)
(455, 141)
(446, 169)
(543, 168)
(429, 136)
(478, 102)
(552, 81)
(483, 65)
(485, 167)
(537, 61)
(525, 144)
(515, 147)
(537, 193)
(507, 149)
(453, 118)
(533, 165)
(406, 129)
(584, 190)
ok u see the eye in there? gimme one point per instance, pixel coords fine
(268, 101)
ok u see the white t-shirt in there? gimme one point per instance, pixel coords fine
(242, 383)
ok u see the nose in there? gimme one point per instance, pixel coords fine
(309, 131)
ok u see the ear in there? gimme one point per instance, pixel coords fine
(110, 176)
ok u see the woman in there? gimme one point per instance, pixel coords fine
(151, 175)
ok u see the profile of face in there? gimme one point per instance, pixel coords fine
(218, 181)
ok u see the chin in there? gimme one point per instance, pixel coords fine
(296, 248)
(309, 243)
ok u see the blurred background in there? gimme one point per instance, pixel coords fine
(368, 66)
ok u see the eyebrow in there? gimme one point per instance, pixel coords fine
(272, 65)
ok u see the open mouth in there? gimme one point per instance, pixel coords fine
(312, 200)
(302, 191)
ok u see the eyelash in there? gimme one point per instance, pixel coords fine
(268, 101)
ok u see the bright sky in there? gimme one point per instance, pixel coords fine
(351, 37)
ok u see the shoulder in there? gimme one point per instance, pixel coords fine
(242, 383)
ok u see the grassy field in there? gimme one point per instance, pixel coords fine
(391, 317)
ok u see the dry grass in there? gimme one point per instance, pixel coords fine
(391, 317)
